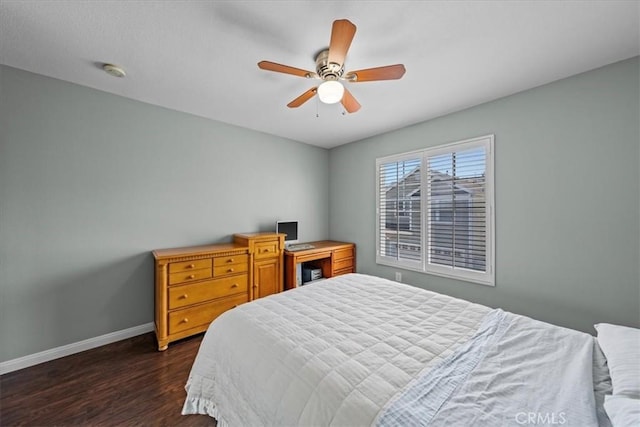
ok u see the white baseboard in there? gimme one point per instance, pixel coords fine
(77, 347)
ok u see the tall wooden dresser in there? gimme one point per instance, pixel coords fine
(266, 251)
(194, 285)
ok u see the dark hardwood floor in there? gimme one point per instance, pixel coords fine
(128, 383)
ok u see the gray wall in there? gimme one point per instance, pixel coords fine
(90, 183)
(567, 197)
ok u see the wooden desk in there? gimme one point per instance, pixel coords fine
(333, 258)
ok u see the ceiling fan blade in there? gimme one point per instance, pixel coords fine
(303, 98)
(389, 72)
(342, 34)
(349, 102)
(279, 68)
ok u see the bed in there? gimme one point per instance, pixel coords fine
(359, 350)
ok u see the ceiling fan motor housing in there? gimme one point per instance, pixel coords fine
(328, 70)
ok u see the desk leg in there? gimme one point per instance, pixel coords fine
(326, 265)
(289, 272)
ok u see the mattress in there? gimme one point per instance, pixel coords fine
(362, 350)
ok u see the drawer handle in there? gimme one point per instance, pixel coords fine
(230, 260)
(185, 320)
(235, 285)
(230, 270)
(185, 296)
(192, 266)
(192, 276)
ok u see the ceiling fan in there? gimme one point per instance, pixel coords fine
(330, 69)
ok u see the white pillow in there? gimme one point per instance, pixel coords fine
(601, 383)
(621, 347)
(623, 411)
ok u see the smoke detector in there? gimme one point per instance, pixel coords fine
(114, 70)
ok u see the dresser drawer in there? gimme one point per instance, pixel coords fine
(203, 314)
(184, 295)
(228, 260)
(266, 249)
(225, 270)
(339, 254)
(189, 276)
(178, 267)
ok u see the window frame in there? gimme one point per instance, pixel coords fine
(486, 277)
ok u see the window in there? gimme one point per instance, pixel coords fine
(399, 202)
(449, 231)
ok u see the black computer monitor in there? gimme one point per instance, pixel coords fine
(290, 228)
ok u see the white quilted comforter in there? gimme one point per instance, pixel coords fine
(345, 351)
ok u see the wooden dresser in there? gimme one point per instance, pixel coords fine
(266, 261)
(333, 258)
(194, 285)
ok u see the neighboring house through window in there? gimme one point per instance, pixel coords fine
(449, 231)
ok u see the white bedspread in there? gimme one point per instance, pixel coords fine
(346, 350)
(331, 353)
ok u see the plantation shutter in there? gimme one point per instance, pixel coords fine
(456, 214)
(399, 199)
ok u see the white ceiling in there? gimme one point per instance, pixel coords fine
(200, 56)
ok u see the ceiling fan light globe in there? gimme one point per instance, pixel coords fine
(330, 91)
